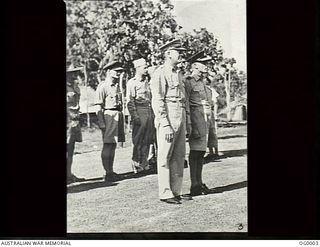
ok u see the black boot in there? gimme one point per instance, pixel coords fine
(196, 191)
(206, 190)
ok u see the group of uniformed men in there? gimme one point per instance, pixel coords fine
(169, 107)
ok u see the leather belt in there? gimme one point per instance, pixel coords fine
(112, 109)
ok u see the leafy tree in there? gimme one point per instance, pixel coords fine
(102, 31)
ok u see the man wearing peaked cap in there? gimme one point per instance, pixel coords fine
(139, 107)
(200, 113)
(110, 117)
(73, 119)
(169, 106)
(200, 59)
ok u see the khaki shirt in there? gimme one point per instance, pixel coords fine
(138, 94)
(197, 91)
(200, 104)
(166, 86)
(108, 95)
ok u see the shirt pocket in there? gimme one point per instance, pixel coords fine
(196, 93)
(171, 91)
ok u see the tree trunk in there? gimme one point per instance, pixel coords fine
(227, 88)
(122, 100)
(86, 85)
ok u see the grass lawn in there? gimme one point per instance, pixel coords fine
(132, 204)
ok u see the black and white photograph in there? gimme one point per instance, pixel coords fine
(156, 96)
(128, 120)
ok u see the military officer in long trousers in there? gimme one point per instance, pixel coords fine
(169, 103)
(110, 117)
(200, 117)
(139, 107)
(73, 120)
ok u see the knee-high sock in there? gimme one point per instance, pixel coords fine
(107, 156)
(113, 147)
(70, 151)
(193, 160)
(199, 166)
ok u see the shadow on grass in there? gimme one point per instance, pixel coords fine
(130, 175)
(84, 186)
(231, 136)
(226, 154)
(233, 153)
(228, 187)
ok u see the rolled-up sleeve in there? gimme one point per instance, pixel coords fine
(158, 90)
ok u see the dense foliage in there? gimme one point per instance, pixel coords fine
(101, 31)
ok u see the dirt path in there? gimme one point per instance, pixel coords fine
(132, 205)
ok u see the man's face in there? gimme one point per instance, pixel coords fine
(199, 69)
(73, 78)
(141, 70)
(175, 56)
(115, 73)
(202, 68)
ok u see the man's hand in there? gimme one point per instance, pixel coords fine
(168, 133)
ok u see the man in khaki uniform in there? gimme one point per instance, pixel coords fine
(139, 107)
(169, 103)
(110, 117)
(73, 117)
(199, 96)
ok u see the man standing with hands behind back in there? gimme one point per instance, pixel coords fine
(110, 117)
(199, 96)
(169, 103)
(139, 107)
(73, 120)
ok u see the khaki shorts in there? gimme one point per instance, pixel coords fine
(114, 127)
